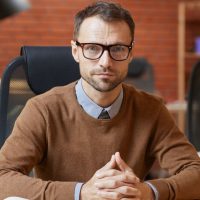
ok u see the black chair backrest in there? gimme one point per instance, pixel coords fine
(48, 67)
(37, 70)
(193, 112)
(141, 75)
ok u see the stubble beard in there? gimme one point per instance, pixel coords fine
(104, 85)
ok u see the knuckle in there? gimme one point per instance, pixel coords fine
(115, 184)
(122, 177)
(117, 195)
(125, 177)
(129, 171)
(125, 189)
(112, 172)
(136, 179)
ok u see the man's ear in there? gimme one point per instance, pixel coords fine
(131, 56)
(75, 51)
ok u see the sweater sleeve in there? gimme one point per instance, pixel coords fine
(24, 149)
(175, 154)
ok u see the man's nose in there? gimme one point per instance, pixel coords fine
(105, 60)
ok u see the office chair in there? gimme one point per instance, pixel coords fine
(37, 70)
(193, 110)
(141, 75)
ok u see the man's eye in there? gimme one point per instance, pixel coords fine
(118, 48)
(92, 48)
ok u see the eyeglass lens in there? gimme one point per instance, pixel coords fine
(95, 51)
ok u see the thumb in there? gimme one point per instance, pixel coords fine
(121, 163)
(110, 165)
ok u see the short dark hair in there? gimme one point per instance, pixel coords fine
(106, 11)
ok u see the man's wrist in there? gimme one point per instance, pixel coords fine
(146, 191)
(154, 190)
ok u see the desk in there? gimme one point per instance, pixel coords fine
(178, 108)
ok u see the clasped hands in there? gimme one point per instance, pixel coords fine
(116, 180)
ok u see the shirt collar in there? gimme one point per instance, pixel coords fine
(91, 107)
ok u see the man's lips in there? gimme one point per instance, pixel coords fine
(104, 75)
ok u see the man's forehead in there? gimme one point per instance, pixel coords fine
(90, 22)
(97, 30)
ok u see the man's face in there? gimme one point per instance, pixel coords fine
(103, 74)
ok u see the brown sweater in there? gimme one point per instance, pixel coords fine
(66, 145)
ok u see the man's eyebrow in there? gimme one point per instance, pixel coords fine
(116, 43)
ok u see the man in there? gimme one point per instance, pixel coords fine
(79, 133)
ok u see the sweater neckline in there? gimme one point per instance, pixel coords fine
(84, 114)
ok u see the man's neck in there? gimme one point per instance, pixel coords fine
(103, 99)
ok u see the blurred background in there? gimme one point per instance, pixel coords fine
(50, 22)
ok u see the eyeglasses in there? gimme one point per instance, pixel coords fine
(94, 51)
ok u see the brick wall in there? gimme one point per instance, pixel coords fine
(50, 22)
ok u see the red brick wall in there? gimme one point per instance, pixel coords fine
(50, 22)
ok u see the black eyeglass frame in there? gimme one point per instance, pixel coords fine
(105, 47)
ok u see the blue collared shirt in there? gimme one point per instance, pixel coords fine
(94, 110)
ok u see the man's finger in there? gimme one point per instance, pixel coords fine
(123, 166)
(110, 165)
(129, 191)
(107, 173)
(109, 195)
(120, 192)
(115, 175)
(116, 181)
(121, 163)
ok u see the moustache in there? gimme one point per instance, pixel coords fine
(100, 71)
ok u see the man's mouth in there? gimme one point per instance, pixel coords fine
(105, 74)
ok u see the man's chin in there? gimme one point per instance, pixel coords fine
(102, 85)
(105, 87)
